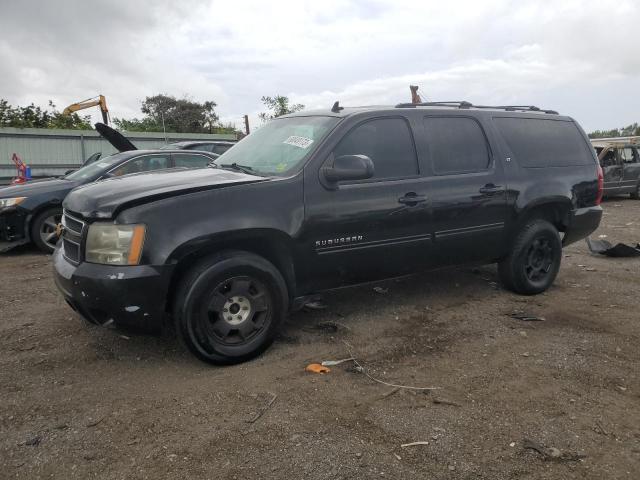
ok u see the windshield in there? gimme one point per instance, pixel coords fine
(280, 145)
(94, 170)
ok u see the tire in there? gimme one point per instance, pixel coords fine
(228, 308)
(636, 193)
(43, 229)
(534, 260)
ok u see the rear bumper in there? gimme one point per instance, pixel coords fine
(133, 296)
(582, 223)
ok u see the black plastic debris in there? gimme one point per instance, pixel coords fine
(620, 250)
(525, 317)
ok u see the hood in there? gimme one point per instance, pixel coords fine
(115, 138)
(106, 198)
(37, 187)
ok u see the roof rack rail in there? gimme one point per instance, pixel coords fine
(454, 103)
(464, 104)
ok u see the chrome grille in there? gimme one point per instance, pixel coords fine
(72, 237)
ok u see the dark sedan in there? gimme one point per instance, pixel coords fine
(31, 212)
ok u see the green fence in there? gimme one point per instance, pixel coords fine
(53, 152)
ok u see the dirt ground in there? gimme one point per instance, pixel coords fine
(79, 401)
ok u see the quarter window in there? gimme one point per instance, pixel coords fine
(387, 142)
(541, 142)
(145, 163)
(456, 145)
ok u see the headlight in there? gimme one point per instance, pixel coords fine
(11, 202)
(112, 244)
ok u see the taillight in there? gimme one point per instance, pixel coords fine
(600, 185)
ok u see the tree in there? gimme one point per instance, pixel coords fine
(181, 115)
(628, 131)
(278, 105)
(33, 116)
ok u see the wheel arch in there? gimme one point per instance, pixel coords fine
(28, 223)
(556, 210)
(270, 244)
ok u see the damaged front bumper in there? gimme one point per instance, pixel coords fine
(13, 231)
(131, 296)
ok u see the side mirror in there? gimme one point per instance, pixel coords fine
(349, 167)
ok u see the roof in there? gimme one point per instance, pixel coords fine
(160, 151)
(615, 141)
(204, 142)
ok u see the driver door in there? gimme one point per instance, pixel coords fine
(359, 231)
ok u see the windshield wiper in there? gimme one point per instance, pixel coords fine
(241, 168)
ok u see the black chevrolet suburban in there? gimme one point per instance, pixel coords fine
(320, 200)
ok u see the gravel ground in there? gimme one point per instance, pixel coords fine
(79, 401)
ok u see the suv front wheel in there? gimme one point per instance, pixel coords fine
(534, 259)
(228, 308)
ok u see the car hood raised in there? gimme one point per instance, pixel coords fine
(36, 187)
(106, 198)
(115, 138)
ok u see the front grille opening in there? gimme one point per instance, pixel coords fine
(72, 237)
(71, 250)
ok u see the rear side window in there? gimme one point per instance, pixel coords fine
(387, 142)
(537, 143)
(190, 160)
(220, 149)
(456, 145)
(146, 163)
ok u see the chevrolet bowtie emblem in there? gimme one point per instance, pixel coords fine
(59, 230)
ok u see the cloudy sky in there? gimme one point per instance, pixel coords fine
(578, 57)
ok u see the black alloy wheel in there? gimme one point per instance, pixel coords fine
(229, 306)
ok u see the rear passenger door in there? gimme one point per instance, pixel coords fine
(611, 163)
(467, 190)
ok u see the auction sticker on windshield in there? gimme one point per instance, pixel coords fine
(300, 142)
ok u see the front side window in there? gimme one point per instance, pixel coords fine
(94, 170)
(609, 158)
(387, 142)
(280, 146)
(146, 163)
(190, 160)
(456, 145)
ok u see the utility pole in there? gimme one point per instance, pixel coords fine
(246, 124)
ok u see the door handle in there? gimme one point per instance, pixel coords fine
(411, 199)
(491, 189)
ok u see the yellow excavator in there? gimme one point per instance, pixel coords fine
(99, 101)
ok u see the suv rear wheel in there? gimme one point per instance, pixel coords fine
(534, 260)
(228, 308)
